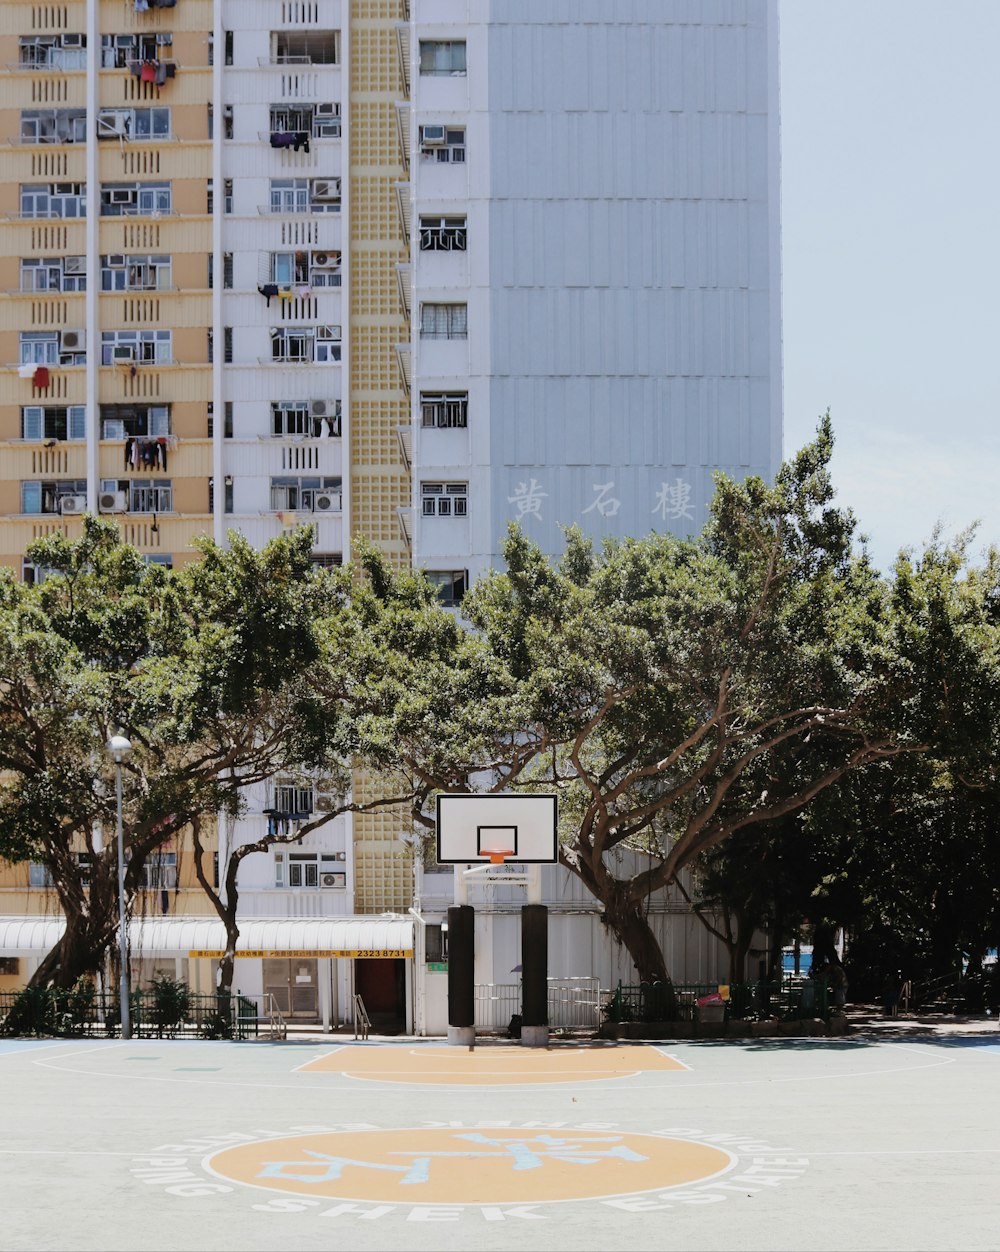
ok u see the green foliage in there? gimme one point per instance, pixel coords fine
(203, 668)
(171, 1003)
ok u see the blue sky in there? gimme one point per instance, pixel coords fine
(891, 266)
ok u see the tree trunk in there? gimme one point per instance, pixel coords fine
(78, 954)
(625, 919)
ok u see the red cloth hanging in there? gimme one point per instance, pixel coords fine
(148, 72)
(41, 376)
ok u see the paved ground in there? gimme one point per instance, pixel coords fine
(875, 1141)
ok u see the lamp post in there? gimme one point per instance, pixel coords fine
(120, 747)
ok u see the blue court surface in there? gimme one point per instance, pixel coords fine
(771, 1144)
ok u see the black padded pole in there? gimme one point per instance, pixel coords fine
(534, 965)
(461, 965)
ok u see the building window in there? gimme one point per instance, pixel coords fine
(444, 410)
(10, 964)
(314, 269)
(442, 57)
(152, 495)
(296, 345)
(327, 560)
(56, 52)
(53, 200)
(119, 52)
(319, 121)
(227, 494)
(53, 126)
(54, 273)
(305, 418)
(121, 347)
(227, 422)
(135, 199)
(135, 273)
(445, 144)
(305, 195)
(135, 421)
(142, 123)
(39, 422)
(443, 234)
(305, 47)
(307, 495)
(310, 869)
(435, 945)
(39, 875)
(444, 321)
(450, 584)
(444, 499)
(292, 800)
(66, 496)
(227, 194)
(160, 871)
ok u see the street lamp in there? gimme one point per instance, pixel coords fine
(120, 747)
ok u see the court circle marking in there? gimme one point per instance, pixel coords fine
(470, 1167)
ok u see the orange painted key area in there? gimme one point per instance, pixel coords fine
(489, 1166)
(493, 1066)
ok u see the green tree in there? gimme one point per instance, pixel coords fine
(677, 692)
(203, 670)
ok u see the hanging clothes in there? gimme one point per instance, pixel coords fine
(41, 376)
(161, 73)
(128, 451)
(141, 6)
(282, 139)
(300, 139)
(161, 452)
(148, 72)
(27, 370)
(268, 291)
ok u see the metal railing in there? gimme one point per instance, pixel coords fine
(82, 1012)
(573, 1004)
(362, 1022)
(653, 1002)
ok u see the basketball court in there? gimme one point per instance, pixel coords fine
(768, 1144)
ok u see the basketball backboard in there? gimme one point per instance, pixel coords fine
(483, 827)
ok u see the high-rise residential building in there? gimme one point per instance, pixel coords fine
(403, 269)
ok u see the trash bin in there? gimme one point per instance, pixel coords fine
(711, 1009)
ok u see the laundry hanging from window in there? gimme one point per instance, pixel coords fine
(147, 453)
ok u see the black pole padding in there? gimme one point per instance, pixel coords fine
(534, 965)
(461, 965)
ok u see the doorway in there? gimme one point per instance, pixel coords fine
(294, 985)
(381, 984)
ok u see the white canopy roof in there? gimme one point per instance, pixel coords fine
(387, 936)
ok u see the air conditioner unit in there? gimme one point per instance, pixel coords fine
(121, 195)
(72, 341)
(432, 136)
(72, 504)
(75, 265)
(327, 110)
(112, 123)
(122, 352)
(328, 334)
(333, 880)
(326, 501)
(72, 41)
(317, 408)
(326, 260)
(112, 501)
(326, 189)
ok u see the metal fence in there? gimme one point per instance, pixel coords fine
(573, 1004)
(81, 1011)
(655, 1002)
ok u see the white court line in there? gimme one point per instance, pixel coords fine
(222, 1085)
(67, 1152)
(333, 1052)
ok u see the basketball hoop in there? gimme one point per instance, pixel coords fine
(497, 855)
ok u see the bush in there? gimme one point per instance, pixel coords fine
(171, 1004)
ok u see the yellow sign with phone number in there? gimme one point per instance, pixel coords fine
(261, 953)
